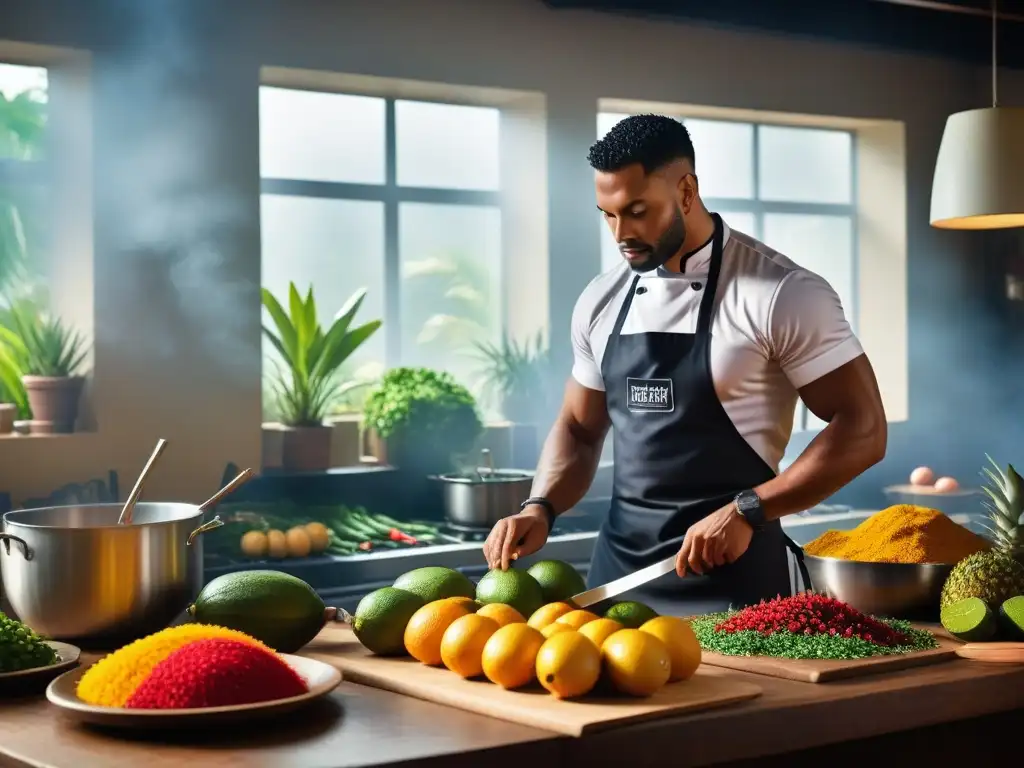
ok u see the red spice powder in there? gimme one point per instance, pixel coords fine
(811, 614)
(216, 672)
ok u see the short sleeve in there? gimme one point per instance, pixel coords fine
(808, 330)
(585, 368)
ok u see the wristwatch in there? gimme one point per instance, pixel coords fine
(547, 506)
(748, 504)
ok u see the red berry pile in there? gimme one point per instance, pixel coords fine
(811, 614)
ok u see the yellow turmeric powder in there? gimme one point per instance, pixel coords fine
(903, 533)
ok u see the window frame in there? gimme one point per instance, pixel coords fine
(392, 195)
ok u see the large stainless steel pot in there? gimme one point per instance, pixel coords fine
(73, 573)
(479, 500)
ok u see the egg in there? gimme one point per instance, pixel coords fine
(946, 485)
(922, 476)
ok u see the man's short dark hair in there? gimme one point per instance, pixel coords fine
(654, 141)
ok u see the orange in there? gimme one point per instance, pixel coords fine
(466, 602)
(501, 613)
(682, 644)
(427, 626)
(576, 619)
(555, 628)
(637, 662)
(462, 645)
(568, 665)
(599, 630)
(547, 614)
(510, 655)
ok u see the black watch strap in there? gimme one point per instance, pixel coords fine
(547, 506)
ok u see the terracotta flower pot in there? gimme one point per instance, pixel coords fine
(54, 402)
(306, 449)
(8, 412)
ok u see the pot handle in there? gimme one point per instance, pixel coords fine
(207, 526)
(7, 538)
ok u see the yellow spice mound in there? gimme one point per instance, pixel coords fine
(112, 680)
(903, 533)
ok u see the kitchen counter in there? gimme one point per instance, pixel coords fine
(948, 710)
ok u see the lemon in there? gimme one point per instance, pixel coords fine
(462, 645)
(683, 648)
(501, 613)
(547, 614)
(637, 662)
(426, 628)
(599, 630)
(568, 665)
(555, 628)
(510, 655)
(576, 619)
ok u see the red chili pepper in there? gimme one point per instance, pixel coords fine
(397, 535)
(366, 546)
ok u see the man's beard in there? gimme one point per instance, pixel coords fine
(668, 245)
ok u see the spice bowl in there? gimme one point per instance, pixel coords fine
(887, 590)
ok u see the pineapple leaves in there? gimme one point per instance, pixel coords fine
(306, 383)
(1004, 504)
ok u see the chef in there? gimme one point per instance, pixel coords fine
(695, 349)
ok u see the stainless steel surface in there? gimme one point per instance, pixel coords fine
(133, 497)
(75, 573)
(624, 584)
(480, 503)
(882, 589)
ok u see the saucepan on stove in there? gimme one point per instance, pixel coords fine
(105, 572)
(479, 498)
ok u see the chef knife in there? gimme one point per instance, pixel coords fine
(624, 584)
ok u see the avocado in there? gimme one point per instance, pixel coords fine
(380, 620)
(558, 580)
(278, 609)
(1011, 614)
(512, 587)
(434, 582)
(970, 620)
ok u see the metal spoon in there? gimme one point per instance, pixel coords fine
(489, 461)
(133, 497)
(243, 477)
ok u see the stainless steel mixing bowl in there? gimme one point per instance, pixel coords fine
(73, 573)
(893, 590)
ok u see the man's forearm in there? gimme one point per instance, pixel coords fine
(567, 465)
(842, 451)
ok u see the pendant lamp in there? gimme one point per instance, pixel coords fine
(979, 173)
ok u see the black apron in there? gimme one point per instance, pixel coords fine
(678, 458)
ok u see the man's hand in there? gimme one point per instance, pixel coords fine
(721, 537)
(502, 546)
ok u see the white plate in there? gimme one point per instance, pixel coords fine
(67, 657)
(320, 677)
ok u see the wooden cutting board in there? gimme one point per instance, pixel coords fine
(824, 671)
(529, 706)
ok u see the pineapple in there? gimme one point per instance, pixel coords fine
(995, 575)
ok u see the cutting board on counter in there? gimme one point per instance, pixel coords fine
(533, 707)
(825, 671)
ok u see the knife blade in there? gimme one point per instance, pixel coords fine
(624, 584)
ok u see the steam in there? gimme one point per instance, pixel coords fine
(163, 172)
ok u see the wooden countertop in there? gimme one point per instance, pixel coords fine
(360, 726)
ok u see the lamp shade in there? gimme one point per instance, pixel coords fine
(979, 174)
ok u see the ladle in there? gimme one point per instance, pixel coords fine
(243, 477)
(489, 461)
(133, 497)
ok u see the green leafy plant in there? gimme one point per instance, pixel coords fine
(428, 419)
(517, 376)
(41, 345)
(307, 383)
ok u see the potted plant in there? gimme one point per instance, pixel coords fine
(517, 379)
(49, 355)
(424, 420)
(307, 382)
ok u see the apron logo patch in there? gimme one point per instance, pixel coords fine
(649, 395)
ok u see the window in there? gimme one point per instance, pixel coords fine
(790, 187)
(397, 196)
